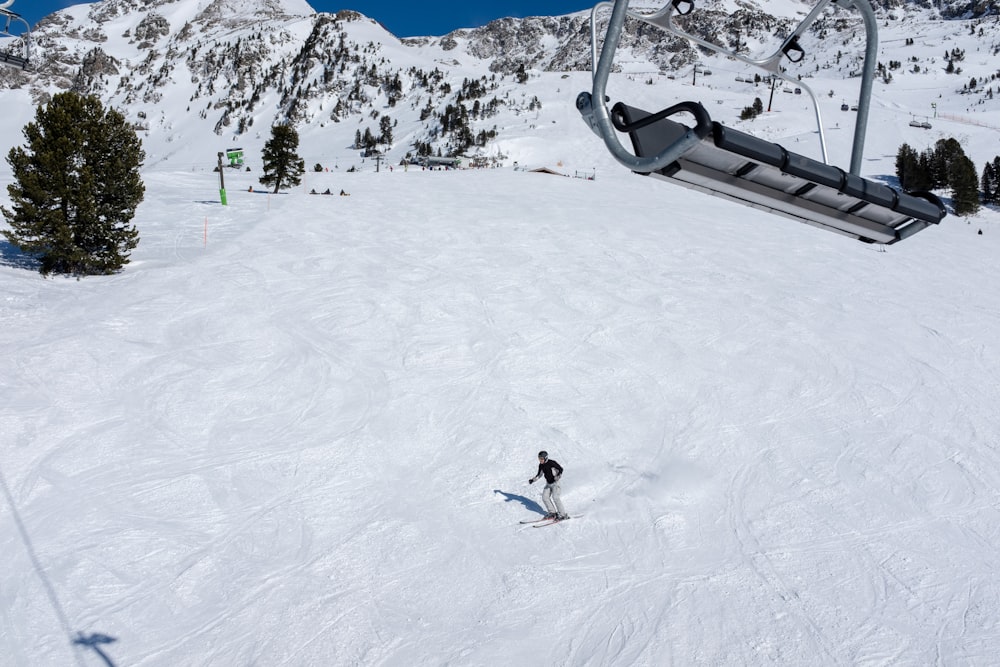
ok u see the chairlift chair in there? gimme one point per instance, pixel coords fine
(709, 157)
(7, 17)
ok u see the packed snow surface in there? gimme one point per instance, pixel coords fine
(304, 437)
(298, 429)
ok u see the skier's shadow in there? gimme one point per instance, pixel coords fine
(528, 503)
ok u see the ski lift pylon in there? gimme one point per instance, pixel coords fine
(7, 17)
(712, 158)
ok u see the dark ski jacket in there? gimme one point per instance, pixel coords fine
(550, 469)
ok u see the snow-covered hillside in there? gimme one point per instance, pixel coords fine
(298, 429)
(197, 77)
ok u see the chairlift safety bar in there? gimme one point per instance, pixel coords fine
(597, 115)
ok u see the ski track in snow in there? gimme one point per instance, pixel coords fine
(307, 442)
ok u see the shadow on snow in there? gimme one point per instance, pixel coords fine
(11, 255)
(528, 503)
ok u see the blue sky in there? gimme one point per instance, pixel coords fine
(404, 18)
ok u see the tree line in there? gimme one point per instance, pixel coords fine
(77, 184)
(947, 166)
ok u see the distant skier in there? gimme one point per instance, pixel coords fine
(552, 495)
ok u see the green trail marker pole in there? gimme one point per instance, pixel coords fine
(222, 183)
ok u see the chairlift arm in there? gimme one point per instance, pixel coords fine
(595, 112)
(663, 19)
(593, 106)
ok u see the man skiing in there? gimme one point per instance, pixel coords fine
(551, 496)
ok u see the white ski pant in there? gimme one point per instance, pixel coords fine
(552, 497)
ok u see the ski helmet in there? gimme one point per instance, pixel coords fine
(543, 455)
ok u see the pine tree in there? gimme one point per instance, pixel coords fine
(953, 169)
(385, 127)
(946, 153)
(914, 169)
(282, 165)
(988, 183)
(995, 193)
(907, 164)
(368, 140)
(991, 182)
(925, 171)
(521, 74)
(964, 186)
(77, 187)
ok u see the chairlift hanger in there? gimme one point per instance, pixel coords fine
(712, 158)
(7, 17)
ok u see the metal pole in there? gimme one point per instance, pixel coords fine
(867, 79)
(222, 183)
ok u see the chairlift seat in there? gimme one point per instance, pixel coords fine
(766, 176)
(6, 18)
(13, 60)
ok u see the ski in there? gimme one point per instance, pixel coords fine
(526, 521)
(549, 522)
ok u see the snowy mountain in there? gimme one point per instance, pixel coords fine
(298, 429)
(238, 66)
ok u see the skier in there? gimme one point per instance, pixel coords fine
(551, 496)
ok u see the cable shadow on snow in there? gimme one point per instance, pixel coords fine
(93, 642)
(528, 503)
(81, 640)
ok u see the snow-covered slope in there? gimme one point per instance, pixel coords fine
(305, 437)
(298, 430)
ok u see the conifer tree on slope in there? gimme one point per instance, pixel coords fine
(990, 183)
(76, 187)
(953, 169)
(282, 165)
(908, 169)
(964, 186)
